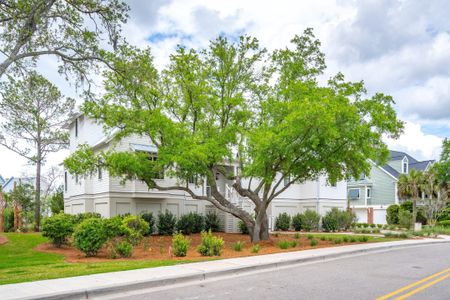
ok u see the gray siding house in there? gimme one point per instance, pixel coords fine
(370, 195)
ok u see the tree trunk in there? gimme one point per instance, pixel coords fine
(37, 198)
(260, 230)
(264, 233)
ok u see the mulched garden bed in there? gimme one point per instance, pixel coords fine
(159, 248)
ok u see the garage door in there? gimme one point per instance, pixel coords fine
(102, 209)
(361, 214)
(379, 216)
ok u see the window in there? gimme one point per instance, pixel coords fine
(405, 166)
(100, 174)
(286, 180)
(192, 179)
(369, 192)
(217, 176)
(65, 181)
(362, 177)
(76, 127)
(353, 194)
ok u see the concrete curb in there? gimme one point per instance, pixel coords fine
(232, 267)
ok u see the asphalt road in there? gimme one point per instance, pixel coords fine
(412, 273)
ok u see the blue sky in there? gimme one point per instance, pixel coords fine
(401, 48)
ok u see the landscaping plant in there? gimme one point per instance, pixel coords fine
(255, 248)
(210, 245)
(180, 244)
(89, 236)
(166, 223)
(283, 222)
(297, 222)
(238, 246)
(212, 221)
(124, 249)
(313, 242)
(150, 219)
(58, 228)
(310, 220)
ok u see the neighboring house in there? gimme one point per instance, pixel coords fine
(8, 185)
(370, 195)
(2, 181)
(106, 195)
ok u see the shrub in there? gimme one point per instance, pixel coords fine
(420, 217)
(134, 228)
(379, 226)
(373, 225)
(124, 249)
(238, 246)
(297, 222)
(166, 223)
(190, 223)
(404, 218)
(294, 244)
(8, 219)
(323, 238)
(255, 248)
(310, 220)
(345, 239)
(58, 228)
(407, 205)
(445, 223)
(296, 235)
(330, 222)
(150, 219)
(352, 239)
(314, 242)
(180, 244)
(78, 218)
(89, 236)
(210, 245)
(212, 221)
(242, 227)
(337, 241)
(345, 219)
(363, 238)
(283, 244)
(392, 214)
(365, 225)
(310, 236)
(283, 222)
(114, 227)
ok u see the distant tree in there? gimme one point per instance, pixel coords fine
(22, 198)
(443, 166)
(409, 187)
(435, 194)
(2, 209)
(57, 201)
(34, 111)
(260, 122)
(71, 31)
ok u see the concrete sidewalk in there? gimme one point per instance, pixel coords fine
(83, 287)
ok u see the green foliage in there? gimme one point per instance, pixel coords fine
(363, 239)
(283, 222)
(337, 241)
(180, 244)
(294, 244)
(255, 248)
(345, 239)
(445, 223)
(406, 205)
(323, 238)
(443, 165)
(90, 235)
(404, 218)
(135, 228)
(78, 218)
(190, 223)
(297, 222)
(212, 221)
(124, 249)
(310, 236)
(57, 201)
(166, 223)
(210, 245)
(297, 235)
(310, 220)
(336, 219)
(8, 219)
(150, 219)
(284, 244)
(238, 246)
(114, 227)
(58, 228)
(242, 227)
(208, 103)
(313, 242)
(352, 239)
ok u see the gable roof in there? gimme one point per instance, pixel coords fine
(398, 155)
(421, 165)
(412, 163)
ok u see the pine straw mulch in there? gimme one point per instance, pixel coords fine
(159, 248)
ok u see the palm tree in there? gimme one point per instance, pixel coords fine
(436, 193)
(409, 188)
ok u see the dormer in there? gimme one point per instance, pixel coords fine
(405, 164)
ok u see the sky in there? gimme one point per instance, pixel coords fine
(401, 48)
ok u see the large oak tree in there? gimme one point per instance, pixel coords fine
(236, 104)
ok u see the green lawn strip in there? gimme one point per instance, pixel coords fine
(20, 263)
(372, 239)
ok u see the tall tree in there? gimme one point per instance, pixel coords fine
(34, 113)
(71, 31)
(443, 165)
(435, 194)
(409, 187)
(260, 122)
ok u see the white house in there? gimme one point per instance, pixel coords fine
(108, 196)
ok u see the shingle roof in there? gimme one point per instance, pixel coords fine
(391, 170)
(421, 165)
(413, 163)
(398, 155)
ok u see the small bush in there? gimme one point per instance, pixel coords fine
(404, 219)
(238, 246)
(297, 222)
(323, 238)
(345, 219)
(212, 221)
(58, 228)
(135, 228)
(89, 236)
(310, 220)
(210, 245)
(337, 241)
(363, 238)
(124, 249)
(283, 244)
(330, 222)
(380, 226)
(314, 242)
(294, 244)
(373, 225)
(242, 227)
(114, 227)
(352, 239)
(8, 219)
(310, 236)
(283, 222)
(78, 218)
(296, 235)
(150, 219)
(365, 225)
(445, 223)
(345, 239)
(180, 244)
(190, 223)
(255, 248)
(166, 223)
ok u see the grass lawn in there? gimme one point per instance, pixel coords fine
(19, 262)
